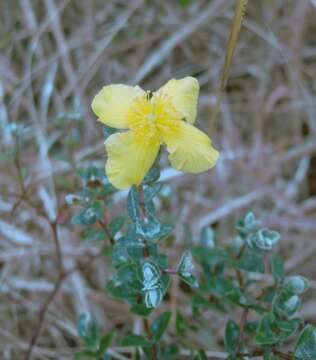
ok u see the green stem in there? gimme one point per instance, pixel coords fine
(142, 208)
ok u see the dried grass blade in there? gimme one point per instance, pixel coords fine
(239, 15)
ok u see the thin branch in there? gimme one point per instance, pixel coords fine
(144, 216)
(148, 332)
(62, 276)
(42, 315)
(60, 264)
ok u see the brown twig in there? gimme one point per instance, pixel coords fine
(106, 230)
(42, 315)
(54, 227)
(243, 323)
(149, 336)
(61, 277)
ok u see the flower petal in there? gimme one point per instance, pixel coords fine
(184, 94)
(112, 102)
(128, 160)
(190, 149)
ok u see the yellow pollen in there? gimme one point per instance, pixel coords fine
(150, 119)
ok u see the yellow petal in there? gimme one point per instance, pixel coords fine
(190, 150)
(112, 103)
(184, 94)
(128, 160)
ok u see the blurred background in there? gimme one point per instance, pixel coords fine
(56, 54)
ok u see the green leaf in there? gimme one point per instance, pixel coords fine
(116, 225)
(251, 261)
(108, 131)
(208, 237)
(130, 246)
(150, 191)
(263, 239)
(94, 235)
(169, 352)
(149, 229)
(285, 304)
(165, 230)
(200, 355)
(251, 327)
(133, 204)
(247, 225)
(92, 177)
(120, 291)
(180, 324)
(88, 331)
(190, 280)
(152, 176)
(210, 256)
(272, 330)
(152, 285)
(265, 334)
(128, 275)
(86, 354)
(137, 355)
(270, 356)
(151, 275)
(153, 297)
(185, 269)
(160, 325)
(120, 255)
(277, 266)
(287, 327)
(296, 284)
(229, 290)
(90, 215)
(305, 347)
(184, 2)
(232, 334)
(105, 342)
(135, 340)
(140, 310)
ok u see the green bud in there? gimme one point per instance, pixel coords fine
(264, 239)
(248, 224)
(296, 284)
(286, 304)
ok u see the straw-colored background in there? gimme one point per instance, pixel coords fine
(57, 52)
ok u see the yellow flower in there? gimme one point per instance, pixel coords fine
(152, 119)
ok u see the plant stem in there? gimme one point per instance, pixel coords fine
(106, 230)
(257, 353)
(243, 322)
(170, 271)
(146, 255)
(142, 208)
(42, 315)
(61, 277)
(149, 335)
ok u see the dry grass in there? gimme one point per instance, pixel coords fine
(57, 52)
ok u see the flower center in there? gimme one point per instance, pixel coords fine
(150, 118)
